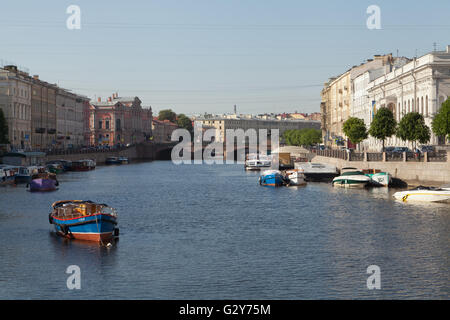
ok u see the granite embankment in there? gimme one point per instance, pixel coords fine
(413, 173)
(142, 151)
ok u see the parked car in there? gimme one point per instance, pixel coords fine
(426, 149)
(401, 150)
(389, 149)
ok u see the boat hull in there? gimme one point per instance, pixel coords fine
(381, 179)
(423, 196)
(42, 184)
(349, 183)
(272, 180)
(23, 179)
(97, 227)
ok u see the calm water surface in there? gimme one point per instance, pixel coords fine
(211, 232)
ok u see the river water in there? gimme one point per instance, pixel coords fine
(212, 232)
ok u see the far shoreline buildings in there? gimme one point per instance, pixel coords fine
(403, 85)
(221, 123)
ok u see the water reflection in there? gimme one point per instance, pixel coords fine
(212, 232)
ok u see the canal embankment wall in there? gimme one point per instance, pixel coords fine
(413, 173)
(98, 157)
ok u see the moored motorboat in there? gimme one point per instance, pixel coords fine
(296, 177)
(351, 178)
(425, 194)
(257, 162)
(83, 165)
(378, 178)
(123, 160)
(43, 181)
(7, 175)
(317, 172)
(84, 220)
(55, 168)
(112, 160)
(66, 164)
(273, 178)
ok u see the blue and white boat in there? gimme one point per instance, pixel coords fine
(273, 178)
(84, 220)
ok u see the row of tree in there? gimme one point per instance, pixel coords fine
(302, 137)
(411, 127)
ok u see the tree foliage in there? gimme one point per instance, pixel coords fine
(412, 128)
(302, 137)
(383, 125)
(3, 128)
(441, 121)
(184, 122)
(355, 130)
(167, 114)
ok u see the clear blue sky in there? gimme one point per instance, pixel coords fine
(207, 55)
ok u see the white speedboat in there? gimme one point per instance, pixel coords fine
(257, 162)
(317, 171)
(351, 178)
(425, 194)
(378, 178)
(296, 177)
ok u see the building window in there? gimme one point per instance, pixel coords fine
(100, 124)
(426, 106)
(107, 124)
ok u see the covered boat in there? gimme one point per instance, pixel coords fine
(273, 178)
(351, 178)
(425, 194)
(84, 220)
(296, 177)
(25, 173)
(66, 164)
(83, 165)
(257, 162)
(43, 181)
(318, 172)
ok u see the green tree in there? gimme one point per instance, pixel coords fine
(302, 137)
(355, 130)
(412, 128)
(310, 137)
(184, 122)
(167, 114)
(383, 125)
(441, 121)
(3, 129)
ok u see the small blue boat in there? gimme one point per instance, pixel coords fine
(273, 178)
(84, 220)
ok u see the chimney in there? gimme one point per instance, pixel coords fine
(109, 99)
(36, 77)
(99, 99)
(448, 49)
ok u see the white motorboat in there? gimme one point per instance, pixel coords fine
(317, 171)
(378, 177)
(425, 194)
(296, 177)
(351, 178)
(257, 162)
